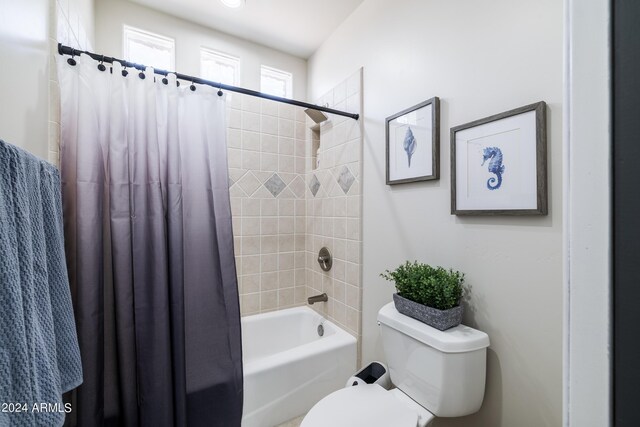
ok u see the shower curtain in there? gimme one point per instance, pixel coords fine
(149, 249)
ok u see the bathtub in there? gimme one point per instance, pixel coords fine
(288, 367)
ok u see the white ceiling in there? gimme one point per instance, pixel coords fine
(297, 27)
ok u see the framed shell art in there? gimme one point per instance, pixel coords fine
(413, 143)
(499, 164)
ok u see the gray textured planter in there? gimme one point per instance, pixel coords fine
(439, 319)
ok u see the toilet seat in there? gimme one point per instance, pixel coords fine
(362, 405)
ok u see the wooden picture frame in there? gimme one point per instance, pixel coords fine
(413, 136)
(517, 137)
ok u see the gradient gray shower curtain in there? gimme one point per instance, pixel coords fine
(149, 250)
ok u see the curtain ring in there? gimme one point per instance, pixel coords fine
(141, 75)
(220, 91)
(124, 70)
(165, 80)
(192, 87)
(72, 61)
(101, 66)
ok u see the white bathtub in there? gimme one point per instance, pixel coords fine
(288, 367)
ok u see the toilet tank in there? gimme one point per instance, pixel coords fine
(444, 371)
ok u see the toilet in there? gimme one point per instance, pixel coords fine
(435, 374)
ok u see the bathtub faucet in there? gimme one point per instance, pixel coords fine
(318, 298)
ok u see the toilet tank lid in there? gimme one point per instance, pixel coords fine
(459, 339)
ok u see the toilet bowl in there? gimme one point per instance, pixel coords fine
(367, 405)
(435, 373)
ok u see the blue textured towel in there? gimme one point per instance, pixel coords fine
(39, 354)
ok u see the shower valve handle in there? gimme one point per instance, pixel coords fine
(324, 259)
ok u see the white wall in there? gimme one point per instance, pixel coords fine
(24, 55)
(480, 58)
(111, 15)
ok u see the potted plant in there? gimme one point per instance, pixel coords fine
(429, 294)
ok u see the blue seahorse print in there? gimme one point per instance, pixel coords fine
(410, 144)
(495, 166)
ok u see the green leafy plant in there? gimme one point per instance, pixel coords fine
(432, 286)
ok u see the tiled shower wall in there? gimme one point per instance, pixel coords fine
(266, 143)
(288, 202)
(334, 201)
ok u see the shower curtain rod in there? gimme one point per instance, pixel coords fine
(67, 50)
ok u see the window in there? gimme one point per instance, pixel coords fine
(276, 82)
(149, 49)
(219, 67)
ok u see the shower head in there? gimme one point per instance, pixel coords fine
(315, 115)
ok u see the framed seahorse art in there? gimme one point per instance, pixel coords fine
(413, 143)
(499, 164)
